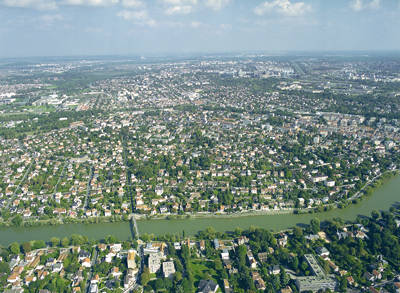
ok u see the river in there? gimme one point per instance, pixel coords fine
(382, 199)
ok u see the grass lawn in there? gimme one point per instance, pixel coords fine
(203, 271)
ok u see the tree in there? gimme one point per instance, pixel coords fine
(238, 231)
(284, 278)
(4, 268)
(110, 239)
(187, 285)
(145, 276)
(14, 248)
(26, 247)
(55, 241)
(65, 242)
(315, 225)
(178, 277)
(297, 232)
(159, 284)
(343, 284)
(76, 239)
(38, 244)
(374, 215)
(17, 220)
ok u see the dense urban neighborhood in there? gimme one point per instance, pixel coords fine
(95, 140)
(363, 256)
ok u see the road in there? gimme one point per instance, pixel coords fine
(61, 175)
(88, 187)
(19, 185)
(92, 262)
(357, 194)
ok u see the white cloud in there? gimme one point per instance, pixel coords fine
(91, 2)
(284, 7)
(216, 4)
(179, 6)
(179, 9)
(138, 17)
(35, 4)
(132, 3)
(359, 5)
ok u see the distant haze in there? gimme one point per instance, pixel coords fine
(145, 27)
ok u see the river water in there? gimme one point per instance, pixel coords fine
(382, 199)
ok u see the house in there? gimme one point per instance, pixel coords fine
(312, 237)
(262, 256)
(207, 286)
(286, 290)
(29, 279)
(369, 277)
(51, 261)
(322, 252)
(177, 246)
(216, 244)
(330, 183)
(377, 275)
(116, 247)
(251, 259)
(86, 263)
(361, 235)
(109, 257)
(159, 190)
(350, 280)
(227, 287)
(342, 235)
(95, 279)
(258, 281)
(115, 272)
(168, 269)
(225, 254)
(57, 267)
(83, 254)
(14, 277)
(242, 240)
(282, 241)
(102, 247)
(202, 245)
(93, 288)
(397, 286)
(274, 270)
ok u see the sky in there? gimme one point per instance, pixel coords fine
(148, 27)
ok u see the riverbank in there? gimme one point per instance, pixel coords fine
(382, 198)
(367, 190)
(66, 221)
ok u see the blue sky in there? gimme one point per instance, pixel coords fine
(140, 27)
